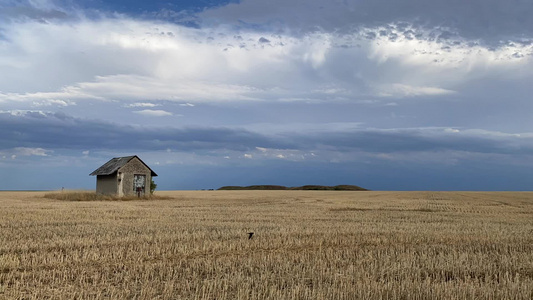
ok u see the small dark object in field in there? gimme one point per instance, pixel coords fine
(250, 235)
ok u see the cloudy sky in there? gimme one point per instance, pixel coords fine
(388, 95)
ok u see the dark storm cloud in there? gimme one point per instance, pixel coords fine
(59, 131)
(421, 140)
(491, 20)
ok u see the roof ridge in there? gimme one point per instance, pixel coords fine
(116, 163)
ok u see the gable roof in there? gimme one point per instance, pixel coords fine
(116, 163)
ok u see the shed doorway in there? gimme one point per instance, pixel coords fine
(139, 182)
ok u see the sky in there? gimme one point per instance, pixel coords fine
(384, 94)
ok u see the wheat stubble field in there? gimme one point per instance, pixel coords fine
(307, 245)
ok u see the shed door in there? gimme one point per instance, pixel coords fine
(138, 184)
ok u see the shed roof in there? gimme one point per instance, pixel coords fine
(116, 163)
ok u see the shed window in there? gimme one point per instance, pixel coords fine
(139, 182)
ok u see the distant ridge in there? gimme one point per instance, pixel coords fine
(344, 187)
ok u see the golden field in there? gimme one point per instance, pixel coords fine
(307, 245)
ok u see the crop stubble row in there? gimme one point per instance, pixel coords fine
(307, 244)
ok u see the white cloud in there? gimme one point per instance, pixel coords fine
(153, 113)
(403, 90)
(289, 154)
(23, 112)
(141, 104)
(318, 46)
(453, 130)
(25, 151)
(54, 102)
(132, 60)
(110, 59)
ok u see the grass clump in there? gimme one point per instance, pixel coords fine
(92, 196)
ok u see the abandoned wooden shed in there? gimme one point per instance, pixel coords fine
(122, 176)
